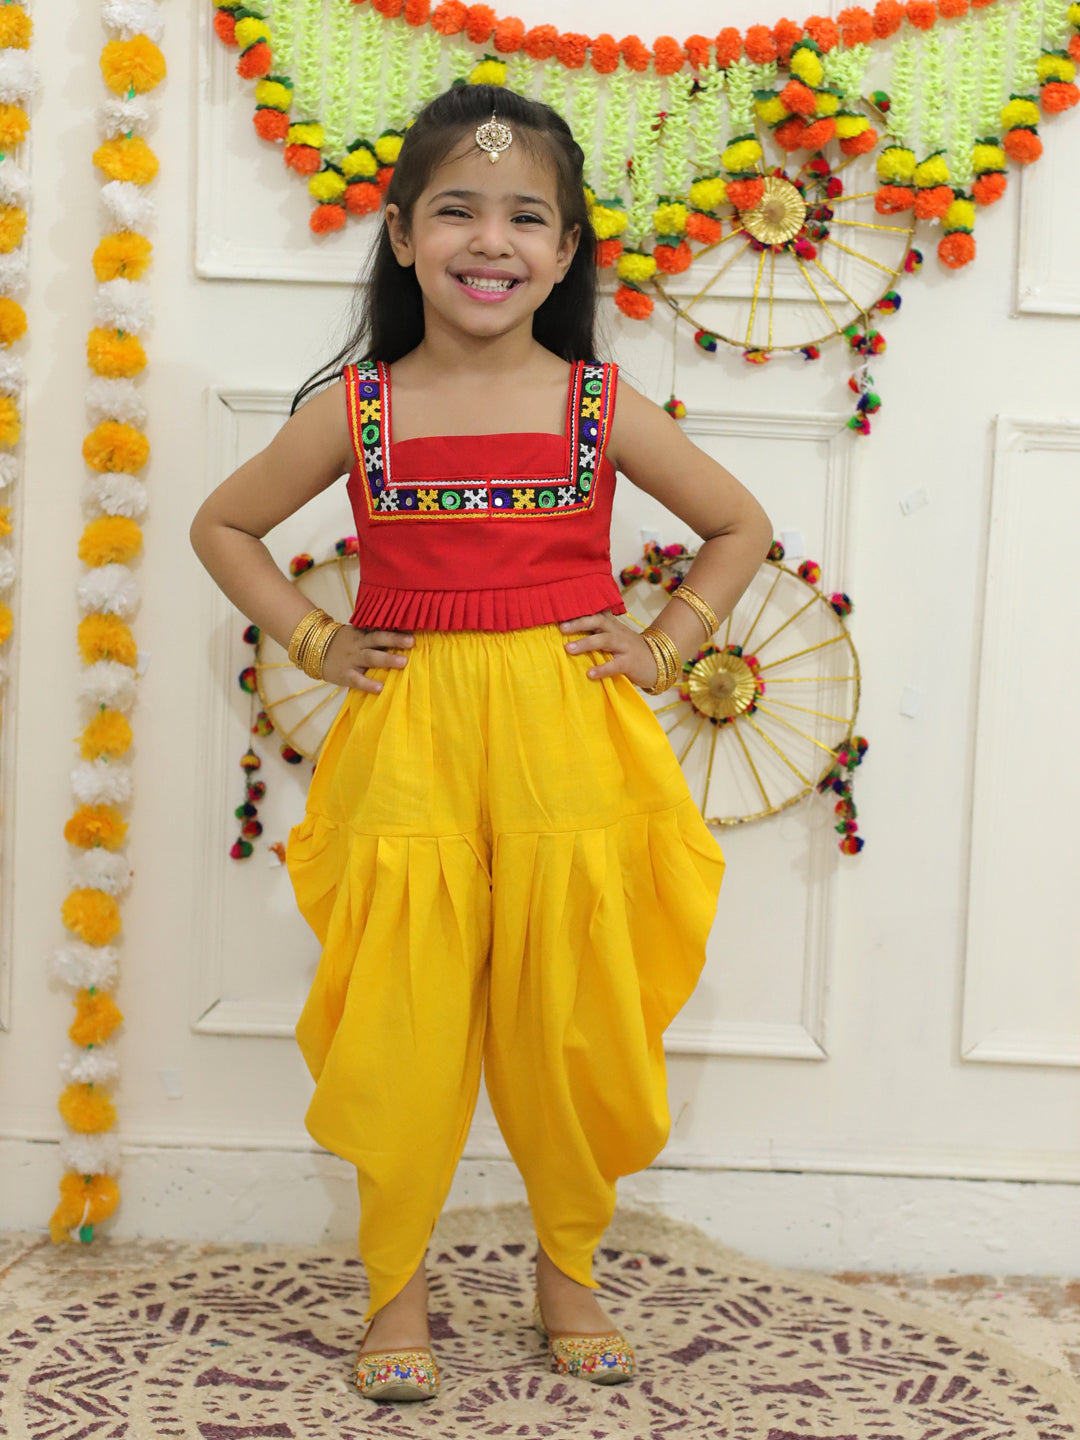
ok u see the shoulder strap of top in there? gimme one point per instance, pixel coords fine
(365, 392)
(591, 412)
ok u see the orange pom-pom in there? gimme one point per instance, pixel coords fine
(668, 55)
(1023, 146)
(325, 218)
(225, 26)
(390, 8)
(105, 637)
(508, 35)
(703, 228)
(96, 1017)
(888, 17)
(1058, 95)
(952, 9)
(12, 320)
(270, 124)
(892, 199)
(673, 259)
(729, 45)
(786, 33)
(636, 56)
(921, 13)
(860, 144)
(989, 187)
(823, 31)
(608, 252)
(759, 44)
(956, 249)
(798, 98)
(932, 203)
(697, 51)
(745, 194)
(449, 17)
(1074, 46)
(479, 23)
(108, 734)
(87, 1109)
(114, 446)
(633, 303)
(93, 825)
(789, 133)
(818, 135)
(539, 41)
(255, 62)
(604, 54)
(91, 914)
(110, 540)
(304, 159)
(136, 64)
(417, 12)
(114, 356)
(571, 50)
(856, 25)
(362, 198)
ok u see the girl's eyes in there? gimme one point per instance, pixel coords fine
(454, 210)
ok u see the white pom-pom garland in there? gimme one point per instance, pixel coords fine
(8, 568)
(115, 493)
(107, 682)
(111, 588)
(83, 1066)
(114, 400)
(101, 782)
(9, 470)
(18, 78)
(133, 17)
(128, 208)
(12, 374)
(90, 1154)
(14, 183)
(85, 967)
(101, 869)
(123, 305)
(120, 116)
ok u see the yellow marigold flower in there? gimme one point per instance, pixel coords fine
(16, 27)
(110, 540)
(84, 1200)
(123, 255)
(273, 94)
(932, 171)
(6, 622)
(93, 825)
(309, 133)
(132, 64)
(387, 148)
(960, 215)
(707, 194)
(670, 219)
(92, 915)
(987, 157)
(608, 221)
(359, 164)
(108, 733)
(1056, 67)
(96, 1016)
(849, 125)
(10, 424)
(87, 1109)
(116, 356)
(113, 445)
(14, 123)
(1019, 112)
(127, 158)
(896, 165)
(326, 185)
(1073, 15)
(488, 72)
(106, 637)
(743, 155)
(807, 66)
(771, 111)
(635, 267)
(12, 226)
(250, 31)
(5, 519)
(827, 103)
(12, 320)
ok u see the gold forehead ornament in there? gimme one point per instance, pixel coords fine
(493, 136)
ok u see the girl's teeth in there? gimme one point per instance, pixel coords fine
(479, 284)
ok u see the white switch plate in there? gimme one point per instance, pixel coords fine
(142, 662)
(792, 542)
(172, 1083)
(910, 700)
(913, 500)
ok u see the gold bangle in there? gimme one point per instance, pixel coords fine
(310, 642)
(668, 660)
(701, 607)
(667, 644)
(315, 652)
(301, 632)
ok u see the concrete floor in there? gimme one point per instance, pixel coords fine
(1038, 1315)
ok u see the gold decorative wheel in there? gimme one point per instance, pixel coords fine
(764, 705)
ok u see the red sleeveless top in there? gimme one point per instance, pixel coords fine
(482, 532)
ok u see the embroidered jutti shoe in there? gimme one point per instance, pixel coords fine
(605, 1359)
(397, 1374)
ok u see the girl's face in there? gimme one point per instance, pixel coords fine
(505, 225)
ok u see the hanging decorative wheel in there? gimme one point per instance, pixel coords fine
(806, 255)
(300, 709)
(765, 707)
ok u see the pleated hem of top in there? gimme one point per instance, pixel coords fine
(515, 608)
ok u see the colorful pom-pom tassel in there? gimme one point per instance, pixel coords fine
(676, 408)
(706, 340)
(300, 563)
(251, 635)
(289, 754)
(247, 680)
(841, 603)
(810, 571)
(776, 551)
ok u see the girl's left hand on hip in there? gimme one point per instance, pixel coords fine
(630, 654)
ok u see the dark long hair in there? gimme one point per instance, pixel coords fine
(386, 319)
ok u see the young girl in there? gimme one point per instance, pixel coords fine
(500, 854)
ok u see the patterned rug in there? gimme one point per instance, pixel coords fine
(260, 1345)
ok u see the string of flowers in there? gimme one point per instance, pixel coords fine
(17, 84)
(115, 450)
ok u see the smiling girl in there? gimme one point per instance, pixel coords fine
(499, 854)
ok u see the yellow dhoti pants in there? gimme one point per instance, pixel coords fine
(504, 865)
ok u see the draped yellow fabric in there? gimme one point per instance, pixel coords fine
(504, 865)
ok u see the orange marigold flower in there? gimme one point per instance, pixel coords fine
(539, 42)
(225, 26)
(304, 159)
(633, 303)
(571, 50)
(12, 227)
(121, 255)
(324, 218)
(956, 249)
(270, 124)
(1023, 146)
(818, 135)
(785, 33)
(673, 259)
(921, 13)
(255, 61)
(87, 1109)
(798, 98)
(729, 45)
(508, 35)
(823, 31)
(479, 23)
(106, 637)
(113, 445)
(604, 54)
(93, 825)
(362, 198)
(108, 733)
(417, 12)
(892, 199)
(110, 540)
(383, 177)
(136, 64)
(10, 424)
(888, 17)
(856, 25)
(668, 55)
(127, 158)
(607, 252)
(703, 228)
(449, 17)
(391, 9)
(16, 27)
(14, 123)
(697, 50)
(989, 187)
(1058, 95)
(113, 355)
(1074, 47)
(932, 203)
(952, 9)
(745, 194)
(760, 45)
(12, 320)
(635, 54)
(860, 144)
(788, 134)
(96, 1017)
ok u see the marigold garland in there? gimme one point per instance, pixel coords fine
(115, 449)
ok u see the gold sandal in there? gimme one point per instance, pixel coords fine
(396, 1374)
(605, 1359)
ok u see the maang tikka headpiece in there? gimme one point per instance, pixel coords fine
(493, 136)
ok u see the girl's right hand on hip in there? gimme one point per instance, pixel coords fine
(353, 650)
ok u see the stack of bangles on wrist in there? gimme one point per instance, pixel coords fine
(310, 641)
(664, 650)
